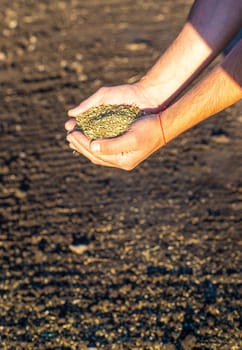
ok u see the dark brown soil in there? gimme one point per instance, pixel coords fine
(93, 257)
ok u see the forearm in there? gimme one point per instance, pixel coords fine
(210, 26)
(221, 88)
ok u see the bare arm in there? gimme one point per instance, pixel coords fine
(210, 26)
(220, 89)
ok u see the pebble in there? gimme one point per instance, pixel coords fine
(79, 249)
(2, 56)
(223, 139)
(20, 194)
(136, 46)
(189, 342)
(12, 24)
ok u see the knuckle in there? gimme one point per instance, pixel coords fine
(94, 161)
(127, 166)
(125, 163)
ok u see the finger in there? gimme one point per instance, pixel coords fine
(124, 161)
(89, 156)
(124, 143)
(140, 133)
(78, 138)
(86, 104)
(80, 143)
(70, 124)
(81, 150)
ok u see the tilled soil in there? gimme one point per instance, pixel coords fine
(98, 258)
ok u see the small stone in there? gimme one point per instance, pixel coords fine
(136, 46)
(31, 48)
(6, 32)
(189, 342)
(4, 170)
(82, 77)
(18, 127)
(22, 155)
(12, 24)
(33, 39)
(28, 19)
(77, 67)
(221, 139)
(79, 56)
(168, 347)
(63, 63)
(20, 194)
(41, 67)
(79, 249)
(2, 56)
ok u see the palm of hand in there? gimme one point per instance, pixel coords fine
(127, 151)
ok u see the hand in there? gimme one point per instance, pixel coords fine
(134, 94)
(142, 139)
(127, 151)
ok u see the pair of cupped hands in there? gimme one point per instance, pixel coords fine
(141, 139)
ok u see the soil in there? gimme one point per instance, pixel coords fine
(99, 258)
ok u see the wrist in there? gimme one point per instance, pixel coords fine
(163, 136)
(177, 67)
(148, 92)
(156, 91)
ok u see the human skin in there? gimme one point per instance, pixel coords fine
(221, 88)
(200, 40)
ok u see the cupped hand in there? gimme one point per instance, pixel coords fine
(133, 94)
(142, 139)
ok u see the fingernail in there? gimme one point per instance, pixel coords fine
(72, 113)
(69, 137)
(95, 147)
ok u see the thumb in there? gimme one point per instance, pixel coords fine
(83, 106)
(124, 143)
